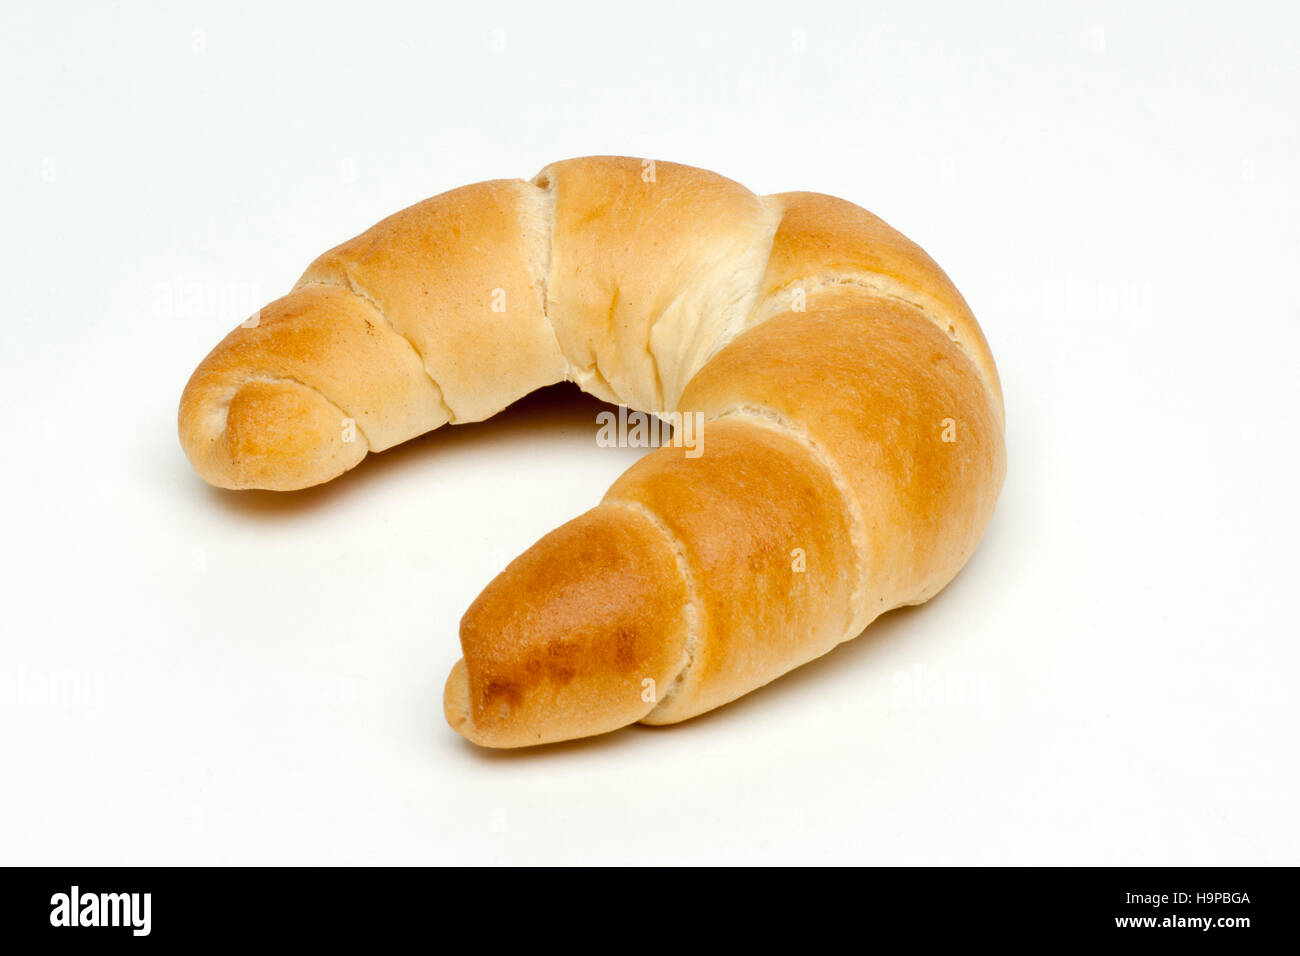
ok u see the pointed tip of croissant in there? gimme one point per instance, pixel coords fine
(569, 639)
(460, 716)
(278, 435)
(455, 702)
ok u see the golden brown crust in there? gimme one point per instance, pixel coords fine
(851, 456)
(766, 537)
(825, 242)
(457, 277)
(902, 412)
(335, 362)
(649, 263)
(574, 637)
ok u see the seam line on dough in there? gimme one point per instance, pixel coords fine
(873, 282)
(611, 335)
(278, 378)
(349, 285)
(573, 371)
(543, 269)
(763, 416)
(657, 378)
(544, 182)
(745, 319)
(692, 612)
(884, 287)
(734, 319)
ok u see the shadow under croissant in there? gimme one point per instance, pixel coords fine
(892, 626)
(547, 413)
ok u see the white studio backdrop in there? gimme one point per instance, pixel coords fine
(191, 676)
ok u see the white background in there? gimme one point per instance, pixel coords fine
(194, 676)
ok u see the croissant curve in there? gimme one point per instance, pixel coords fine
(852, 423)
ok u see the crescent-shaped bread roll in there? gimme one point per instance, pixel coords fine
(849, 442)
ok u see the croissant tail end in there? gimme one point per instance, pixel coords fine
(455, 704)
(276, 435)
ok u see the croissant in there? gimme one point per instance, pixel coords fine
(850, 441)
